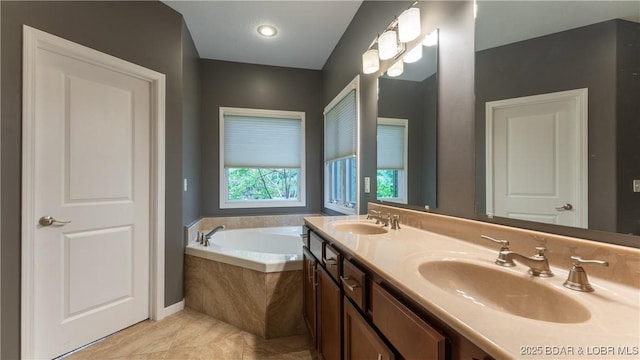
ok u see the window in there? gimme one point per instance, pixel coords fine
(392, 159)
(340, 151)
(261, 158)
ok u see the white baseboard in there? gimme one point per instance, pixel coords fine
(172, 309)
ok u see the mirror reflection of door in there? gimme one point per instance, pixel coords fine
(534, 162)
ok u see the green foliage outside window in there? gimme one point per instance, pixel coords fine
(262, 184)
(386, 183)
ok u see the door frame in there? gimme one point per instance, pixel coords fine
(580, 97)
(33, 40)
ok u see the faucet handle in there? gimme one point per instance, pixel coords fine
(578, 261)
(395, 222)
(502, 258)
(541, 250)
(577, 279)
(503, 243)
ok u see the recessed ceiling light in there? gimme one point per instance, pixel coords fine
(267, 30)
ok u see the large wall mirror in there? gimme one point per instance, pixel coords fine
(406, 134)
(557, 112)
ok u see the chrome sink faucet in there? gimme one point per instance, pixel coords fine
(385, 220)
(538, 264)
(378, 217)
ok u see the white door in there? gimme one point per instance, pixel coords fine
(536, 167)
(91, 173)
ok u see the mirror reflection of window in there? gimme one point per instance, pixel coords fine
(340, 149)
(392, 159)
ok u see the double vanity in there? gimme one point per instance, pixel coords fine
(445, 292)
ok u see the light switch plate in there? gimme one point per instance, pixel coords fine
(636, 185)
(367, 184)
(185, 185)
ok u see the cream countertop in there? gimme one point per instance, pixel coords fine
(614, 326)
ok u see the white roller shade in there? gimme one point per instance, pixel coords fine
(391, 147)
(340, 128)
(262, 142)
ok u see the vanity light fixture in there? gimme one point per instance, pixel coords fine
(413, 55)
(392, 44)
(370, 61)
(267, 30)
(396, 69)
(409, 25)
(431, 39)
(388, 45)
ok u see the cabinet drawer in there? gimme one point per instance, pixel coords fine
(331, 261)
(315, 245)
(353, 283)
(410, 335)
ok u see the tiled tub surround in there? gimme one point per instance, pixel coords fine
(397, 255)
(267, 304)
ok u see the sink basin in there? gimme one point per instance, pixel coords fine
(359, 228)
(499, 289)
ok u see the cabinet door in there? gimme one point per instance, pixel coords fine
(408, 333)
(329, 317)
(309, 264)
(360, 339)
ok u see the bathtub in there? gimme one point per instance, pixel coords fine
(249, 278)
(268, 249)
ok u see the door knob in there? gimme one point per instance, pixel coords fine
(48, 221)
(565, 207)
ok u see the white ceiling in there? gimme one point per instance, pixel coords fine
(505, 22)
(308, 30)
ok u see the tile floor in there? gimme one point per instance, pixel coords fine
(193, 335)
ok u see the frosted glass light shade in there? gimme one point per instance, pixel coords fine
(431, 39)
(413, 55)
(396, 69)
(370, 61)
(387, 45)
(409, 25)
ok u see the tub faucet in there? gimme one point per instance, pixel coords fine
(210, 233)
(538, 264)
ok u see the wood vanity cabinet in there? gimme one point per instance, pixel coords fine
(329, 317)
(354, 314)
(309, 266)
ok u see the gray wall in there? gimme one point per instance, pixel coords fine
(455, 155)
(428, 162)
(232, 84)
(628, 132)
(145, 33)
(190, 127)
